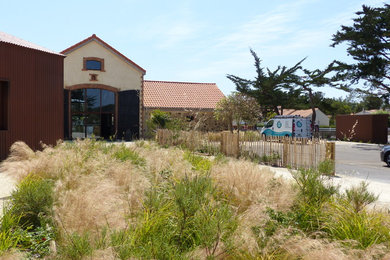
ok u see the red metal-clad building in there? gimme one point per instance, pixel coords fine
(31, 94)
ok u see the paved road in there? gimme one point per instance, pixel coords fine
(361, 161)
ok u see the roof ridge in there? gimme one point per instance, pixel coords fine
(94, 37)
(11, 39)
(164, 81)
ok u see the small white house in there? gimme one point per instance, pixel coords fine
(321, 118)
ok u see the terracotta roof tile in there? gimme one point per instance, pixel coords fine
(7, 38)
(166, 94)
(302, 112)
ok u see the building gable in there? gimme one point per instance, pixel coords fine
(116, 70)
(105, 45)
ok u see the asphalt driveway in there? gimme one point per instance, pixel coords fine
(361, 160)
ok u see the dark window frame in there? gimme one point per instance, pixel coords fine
(85, 59)
(4, 104)
(87, 112)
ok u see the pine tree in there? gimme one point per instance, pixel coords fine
(368, 42)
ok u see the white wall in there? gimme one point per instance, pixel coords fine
(118, 73)
(321, 118)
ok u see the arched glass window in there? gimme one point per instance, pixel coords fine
(92, 113)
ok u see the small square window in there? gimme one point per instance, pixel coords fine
(92, 63)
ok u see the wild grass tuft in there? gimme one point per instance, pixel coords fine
(33, 201)
(326, 167)
(366, 228)
(178, 218)
(77, 247)
(199, 163)
(124, 153)
(360, 197)
(10, 232)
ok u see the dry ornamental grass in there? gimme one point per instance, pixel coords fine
(103, 186)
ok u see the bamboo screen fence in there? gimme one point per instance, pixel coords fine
(276, 151)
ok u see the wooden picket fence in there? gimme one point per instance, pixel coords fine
(277, 151)
(287, 151)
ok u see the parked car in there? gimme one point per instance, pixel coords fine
(385, 154)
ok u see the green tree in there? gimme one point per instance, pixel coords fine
(368, 42)
(269, 87)
(160, 118)
(372, 102)
(239, 108)
(314, 78)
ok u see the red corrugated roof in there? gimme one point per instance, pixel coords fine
(93, 37)
(7, 38)
(167, 94)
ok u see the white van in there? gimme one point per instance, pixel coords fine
(293, 126)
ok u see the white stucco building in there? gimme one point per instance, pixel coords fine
(103, 92)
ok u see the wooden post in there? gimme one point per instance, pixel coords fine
(230, 145)
(331, 153)
(285, 152)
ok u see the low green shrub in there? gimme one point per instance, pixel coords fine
(366, 228)
(360, 197)
(122, 243)
(277, 220)
(179, 216)
(76, 247)
(311, 187)
(124, 153)
(37, 242)
(326, 167)
(102, 239)
(199, 163)
(10, 231)
(313, 194)
(33, 201)
(270, 159)
(319, 207)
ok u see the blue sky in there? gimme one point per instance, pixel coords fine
(192, 40)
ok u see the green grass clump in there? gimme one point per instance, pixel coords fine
(124, 153)
(33, 201)
(326, 167)
(179, 216)
(320, 207)
(360, 197)
(199, 163)
(10, 232)
(77, 247)
(348, 219)
(313, 194)
(26, 221)
(366, 228)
